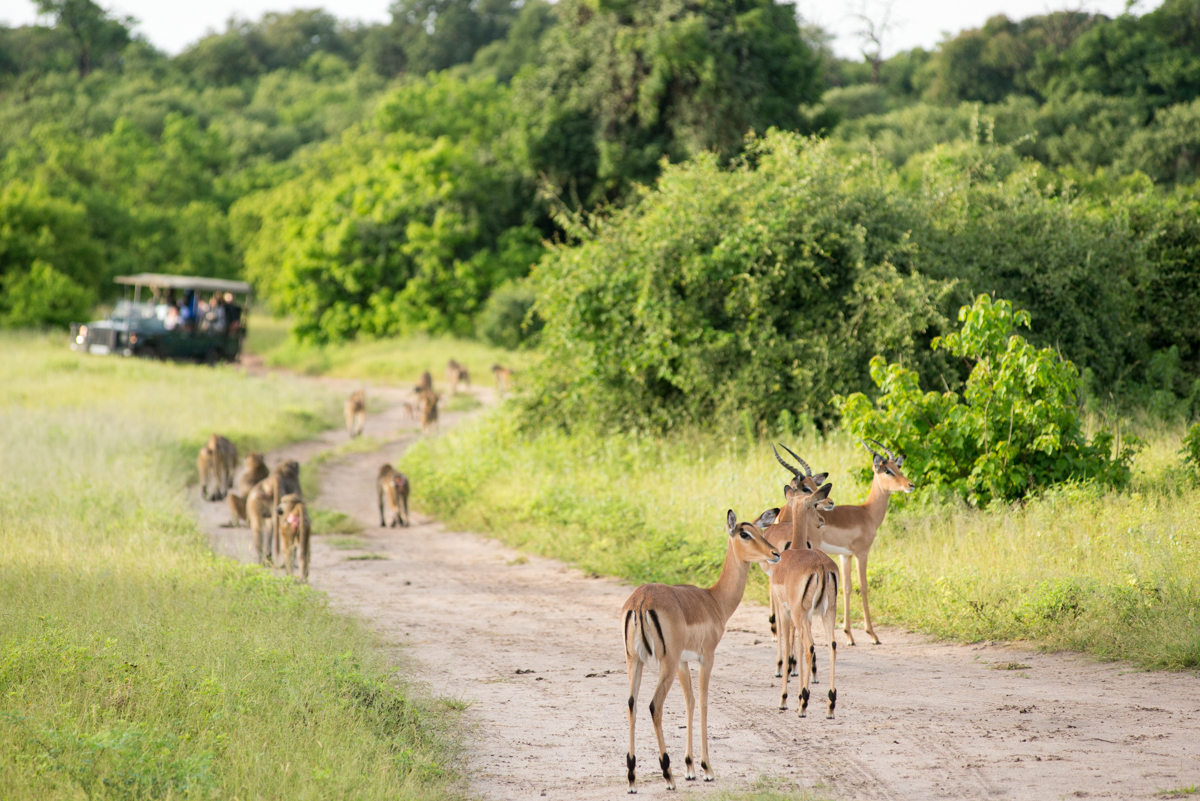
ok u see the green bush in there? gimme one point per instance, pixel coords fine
(730, 292)
(1015, 428)
(505, 321)
(1191, 448)
(43, 296)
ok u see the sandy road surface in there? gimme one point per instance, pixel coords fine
(916, 719)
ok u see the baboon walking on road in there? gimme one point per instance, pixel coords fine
(429, 409)
(263, 502)
(259, 513)
(392, 485)
(254, 470)
(457, 374)
(356, 413)
(296, 531)
(503, 377)
(425, 384)
(216, 462)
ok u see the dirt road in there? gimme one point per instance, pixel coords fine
(535, 646)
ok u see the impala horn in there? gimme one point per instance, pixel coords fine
(886, 448)
(869, 448)
(803, 463)
(779, 459)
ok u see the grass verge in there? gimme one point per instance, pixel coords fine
(136, 664)
(1113, 574)
(382, 361)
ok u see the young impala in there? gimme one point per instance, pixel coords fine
(675, 625)
(849, 531)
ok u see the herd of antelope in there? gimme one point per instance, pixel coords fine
(677, 625)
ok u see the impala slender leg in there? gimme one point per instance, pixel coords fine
(785, 639)
(778, 613)
(804, 634)
(830, 625)
(705, 673)
(665, 677)
(633, 666)
(862, 587)
(847, 587)
(684, 674)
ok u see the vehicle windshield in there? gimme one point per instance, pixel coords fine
(127, 311)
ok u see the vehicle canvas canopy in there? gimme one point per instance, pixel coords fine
(171, 317)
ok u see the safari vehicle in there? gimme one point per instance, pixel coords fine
(150, 324)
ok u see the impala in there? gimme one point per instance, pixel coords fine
(804, 585)
(675, 625)
(849, 531)
(782, 532)
(807, 517)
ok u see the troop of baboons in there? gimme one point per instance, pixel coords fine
(271, 501)
(676, 625)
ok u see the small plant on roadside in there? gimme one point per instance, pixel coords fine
(1015, 429)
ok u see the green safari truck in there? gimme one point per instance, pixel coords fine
(171, 317)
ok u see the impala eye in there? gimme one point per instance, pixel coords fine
(745, 536)
(890, 473)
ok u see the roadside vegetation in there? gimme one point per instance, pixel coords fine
(134, 663)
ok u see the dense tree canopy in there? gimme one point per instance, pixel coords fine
(376, 179)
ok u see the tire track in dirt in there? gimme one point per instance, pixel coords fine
(916, 719)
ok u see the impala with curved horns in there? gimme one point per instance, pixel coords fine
(849, 531)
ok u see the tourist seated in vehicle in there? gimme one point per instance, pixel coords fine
(233, 314)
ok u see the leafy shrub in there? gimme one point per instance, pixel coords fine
(730, 292)
(1015, 428)
(505, 321)
(43, 296)
(1191, 448)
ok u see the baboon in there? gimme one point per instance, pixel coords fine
(356, 413)
(259, 512)
(410, 409)
(285, 480)
(393, 485)
(425, 384)
(503, 377)
(254, 470)
(429, 409)
(457, 374)
(296, 532)
(216, 462)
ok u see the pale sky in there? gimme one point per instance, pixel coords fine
(173, 24)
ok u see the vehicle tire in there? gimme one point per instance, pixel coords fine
(149, 352)
(212, 357)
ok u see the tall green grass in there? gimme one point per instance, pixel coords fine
(1114, 574)
(133, 662)
(383, 361)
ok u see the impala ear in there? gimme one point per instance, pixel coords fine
(730, 522)
(823, 492)
(877, 460)
(766, 518)
(788, 492)
(899, 461)
(819, 478)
